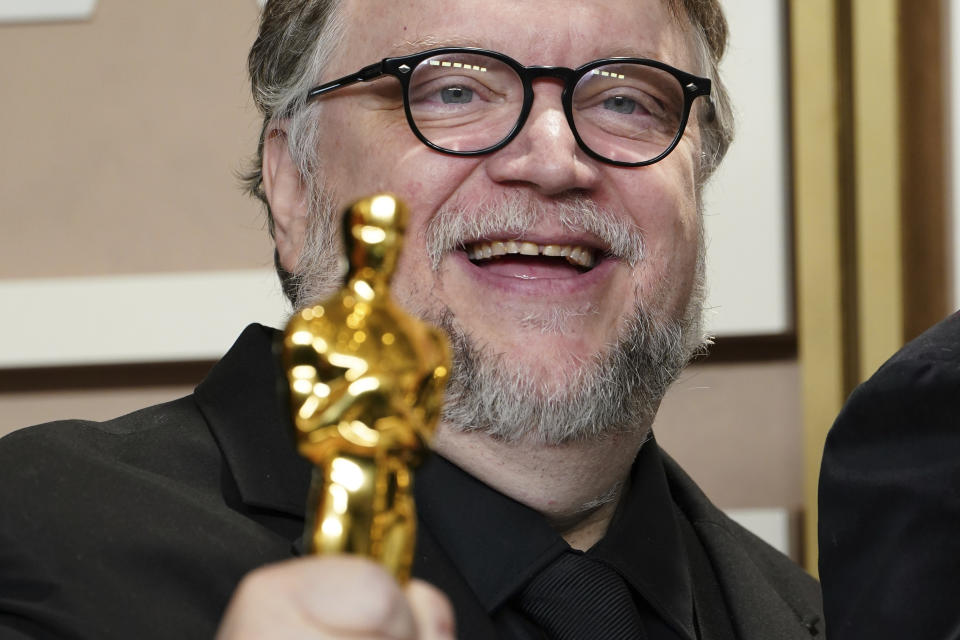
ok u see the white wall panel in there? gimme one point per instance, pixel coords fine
(36, 10)
(127, 319)
(772, 525)
(746, 204)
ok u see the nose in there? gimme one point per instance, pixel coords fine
(544, 156)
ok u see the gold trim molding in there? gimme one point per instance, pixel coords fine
(869, 198)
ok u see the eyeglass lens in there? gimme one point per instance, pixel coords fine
(626, 112)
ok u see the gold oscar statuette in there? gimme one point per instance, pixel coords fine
(366, 384)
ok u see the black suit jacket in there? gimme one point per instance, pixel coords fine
(142, 526)
(890, 498)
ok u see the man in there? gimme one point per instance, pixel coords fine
(890, 498)
(556, 236)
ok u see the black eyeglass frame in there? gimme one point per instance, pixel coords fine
(401, 68)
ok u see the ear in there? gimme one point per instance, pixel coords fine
(287, 195)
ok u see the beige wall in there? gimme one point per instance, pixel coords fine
(122, 138)
(735, 427)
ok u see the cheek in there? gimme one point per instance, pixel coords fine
(671, 226)
(664, 207)
(354, 161)
(672, 267)
(356, 164)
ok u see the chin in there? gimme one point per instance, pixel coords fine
(546, 351)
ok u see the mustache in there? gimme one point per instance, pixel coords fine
(516, 214)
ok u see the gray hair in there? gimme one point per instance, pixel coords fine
(710, 34)
(296, 39)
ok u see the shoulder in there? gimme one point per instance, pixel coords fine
(940, 344)
(91, 508)
(920, 379)
(905, 414)
(171, 423)
(69, 460)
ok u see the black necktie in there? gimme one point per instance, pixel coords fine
(577, 598)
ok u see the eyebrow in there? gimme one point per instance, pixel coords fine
(630, 52)
(431, 42)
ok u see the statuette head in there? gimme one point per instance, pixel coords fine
(373, 236)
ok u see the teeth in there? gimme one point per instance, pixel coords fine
(529, 249)
(580, 256)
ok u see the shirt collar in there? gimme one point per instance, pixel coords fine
(498, 544)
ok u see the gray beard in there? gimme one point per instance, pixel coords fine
(619, 390)
(321, 266)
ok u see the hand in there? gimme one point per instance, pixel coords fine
(326, 597)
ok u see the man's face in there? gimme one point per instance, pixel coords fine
(537, 315)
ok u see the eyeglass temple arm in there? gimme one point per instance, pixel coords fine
(370, 72)
(702, 89)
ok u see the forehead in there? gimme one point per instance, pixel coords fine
(547, 32)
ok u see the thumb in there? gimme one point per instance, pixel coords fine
(431, 610)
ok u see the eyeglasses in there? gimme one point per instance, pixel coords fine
(465, 101)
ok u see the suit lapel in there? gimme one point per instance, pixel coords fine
(757, 607)
(766, 595)
(242, 406)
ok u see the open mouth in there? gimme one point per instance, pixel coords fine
(581, 258)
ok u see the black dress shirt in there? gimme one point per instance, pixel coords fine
(141, 527)
(498, 545)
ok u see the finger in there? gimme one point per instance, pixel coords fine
(431, 610)
(351, 594)
(331, 596)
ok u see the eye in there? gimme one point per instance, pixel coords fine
(456, 95)
(451, 93)
(620, 104)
